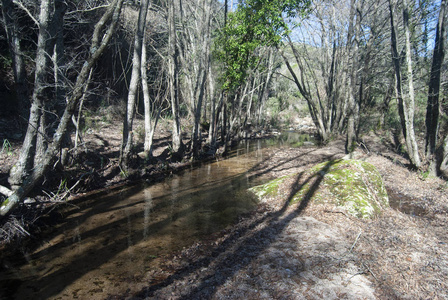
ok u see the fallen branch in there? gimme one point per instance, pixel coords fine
(336, 212)
(370, 271)
(359, 273)
(356, 240)
(5, 191)
(362, 145)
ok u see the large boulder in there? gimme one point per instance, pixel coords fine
(354, 185)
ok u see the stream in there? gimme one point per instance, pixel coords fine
(104, 245)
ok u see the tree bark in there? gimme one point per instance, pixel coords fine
(355, 80)
(151, 116)
(173, 71)
(126, 145)
(444, 164)
(26, 157)
(409, 106)
(405, 104)
(204, 68)
(433, 105)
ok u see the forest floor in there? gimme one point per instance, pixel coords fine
(303, 251)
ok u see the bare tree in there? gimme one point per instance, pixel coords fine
(433, 104)
(126, 146)
(202, 75)
(173, 80)
(152, 108)
(352, 74)
(321, 71)
(102, 34)
(25, 162)
(405, 102)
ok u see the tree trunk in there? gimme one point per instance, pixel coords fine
(353, 70)
(211, 131)
(128, 120)
(26, 157)
(405, 104)
(444, 164)
(409, 105)
(58, 57)
(151, 117)
(203, 70)
(173, 70)
(100, 40)
(433, 105)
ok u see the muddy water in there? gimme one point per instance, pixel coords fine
(106, 246)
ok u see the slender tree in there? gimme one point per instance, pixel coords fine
(152, 108)
(126, 146)
(406, 104)
(204, 67)
(173, 81)
(25, 162)
(433, 104)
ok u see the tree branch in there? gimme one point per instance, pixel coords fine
(20, 4)
(5, 191)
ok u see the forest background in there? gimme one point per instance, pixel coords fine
(216, 72)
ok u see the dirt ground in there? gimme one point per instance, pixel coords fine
(303, 251)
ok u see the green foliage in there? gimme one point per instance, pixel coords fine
(5, 203)
(123, 173)
(255, 23)
(5, 61)
(62, 188)
(425, 175)
(7, 147)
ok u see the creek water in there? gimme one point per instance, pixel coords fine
(106, 245)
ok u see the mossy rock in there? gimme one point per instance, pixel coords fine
(354, 185)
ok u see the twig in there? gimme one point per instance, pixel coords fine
(359, 273)
(20, 4)
(87, 9)
(21, 229)
(356, 240)
(370, 271)
(336, 212)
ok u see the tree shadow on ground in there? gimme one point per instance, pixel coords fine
(95, 255)
(241, 247)
(396, 147)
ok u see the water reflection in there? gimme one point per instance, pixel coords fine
(108, 244)
(147, 211)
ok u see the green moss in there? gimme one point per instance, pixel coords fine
(353, 185)
(5, 203)
(269, 189)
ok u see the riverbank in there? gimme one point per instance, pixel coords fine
(93, 169)
(312, 251)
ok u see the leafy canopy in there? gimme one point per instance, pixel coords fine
(254, 24)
